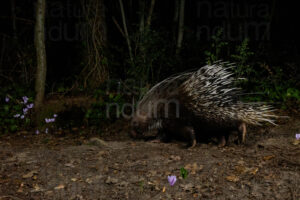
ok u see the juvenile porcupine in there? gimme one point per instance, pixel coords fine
(199, 102)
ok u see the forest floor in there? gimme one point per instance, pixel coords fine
(71, 166)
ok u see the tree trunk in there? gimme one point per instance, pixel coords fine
(176, 11)
(40, 53)
(142, 16)
(180, 26)
(150, 14)
(13, 17)
(103, 26)
(175, 19)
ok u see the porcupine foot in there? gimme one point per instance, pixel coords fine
(162, 137)
(222, 141)
(189, 133)
(242, 129)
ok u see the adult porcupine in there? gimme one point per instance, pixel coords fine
(198, 102)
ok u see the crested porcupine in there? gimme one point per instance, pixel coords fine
(195, 103)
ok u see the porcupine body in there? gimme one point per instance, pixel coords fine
(198, 104)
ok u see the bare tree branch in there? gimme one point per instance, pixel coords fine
(180, 26)
(125, 30)
(142, 16)
(150, 13)
(94, 32)
(119, 27)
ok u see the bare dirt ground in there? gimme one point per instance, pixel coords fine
(73, 167)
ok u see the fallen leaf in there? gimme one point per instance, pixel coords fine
(100, 154)
(253, 171)
(164, 189)
(187, 187)
(175, 158)
(232, 178)
(240, 169)
(150, 183)
(20, 190)
(69, 165)
(36, 188)
(73, 179)
(133, 144)
(296, 142)
(88, 180)
(59, 187)
(193, 168)
(268, 157)
(30, 174)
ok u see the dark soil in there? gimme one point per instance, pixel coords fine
(73, 167)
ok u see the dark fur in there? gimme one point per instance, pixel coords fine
(189, 128)
(209, 107)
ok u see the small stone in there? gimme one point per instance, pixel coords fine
(110, 180)
(97, 142)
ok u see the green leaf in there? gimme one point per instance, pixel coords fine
(6, 108)
(13, 128)
(183, 173)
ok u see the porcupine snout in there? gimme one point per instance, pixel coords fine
(139, 125)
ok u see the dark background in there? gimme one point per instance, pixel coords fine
(270, 25)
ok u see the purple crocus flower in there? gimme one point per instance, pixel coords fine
(17, 115)
(22, 116)
(47, 120)
(6, 99)
(29, 106)
(55, 115)
(46, 130)
(297, 136)
(25, 99)
(37, 132)
(172, 180)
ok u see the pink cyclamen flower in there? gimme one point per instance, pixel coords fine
(25, 110)
(172, 180)
(29, 106)
(17, 115)
(297, 136)
(49, 120)
(6, 99)
(25, 99)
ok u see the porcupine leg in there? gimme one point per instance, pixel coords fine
(189, 132)
(162, 136)
(242, 132)
(222, 140)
